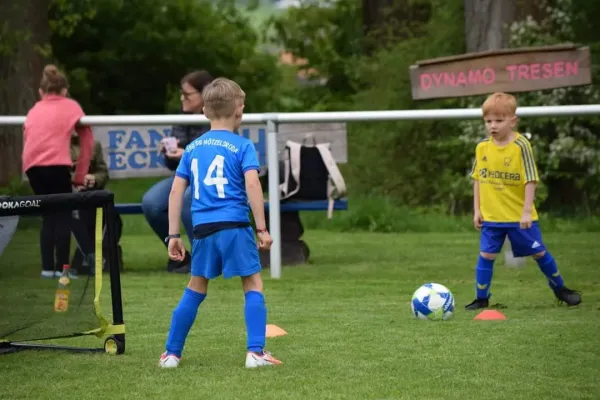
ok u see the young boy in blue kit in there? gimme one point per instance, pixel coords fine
(505, 177)
(222, 169)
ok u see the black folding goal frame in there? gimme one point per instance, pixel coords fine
(103, 201)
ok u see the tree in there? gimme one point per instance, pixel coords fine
(385, 22)
(129, 58)
(567, 149)
(24, 33)
(486, 23)
(327, 37)
(25, 30)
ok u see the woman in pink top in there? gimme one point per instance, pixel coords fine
(47, 161)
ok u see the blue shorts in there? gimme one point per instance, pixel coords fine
(524, 242)
(231, 252)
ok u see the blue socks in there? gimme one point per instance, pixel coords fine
(183, 318)
(548, 267)
(184, 315)
(483, 277)
(255, 314)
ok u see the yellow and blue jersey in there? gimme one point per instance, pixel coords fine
(503, 172)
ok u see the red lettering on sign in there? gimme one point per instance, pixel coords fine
(486, 76)
(449, 79)
(557, 69)
(523, 72)
(535, 71)
(489, 76)
(572, 68)
(475, 76)
(425, 81)
(547, 68)
(518, 70)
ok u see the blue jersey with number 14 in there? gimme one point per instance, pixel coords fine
(215, 165)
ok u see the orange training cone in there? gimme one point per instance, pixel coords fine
(274, 331)
(489, 315)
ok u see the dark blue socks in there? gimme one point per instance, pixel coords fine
(183, 318)
(255, 314)
(483, 277)
(548, 267)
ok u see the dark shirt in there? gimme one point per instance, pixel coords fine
(185, 134)
(202, 231)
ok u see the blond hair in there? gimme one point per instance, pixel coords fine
(221, 98)
(53, 81)
(501, 104)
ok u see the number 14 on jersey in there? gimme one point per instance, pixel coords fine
(215, 168)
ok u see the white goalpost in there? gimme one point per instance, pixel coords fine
(272, 121)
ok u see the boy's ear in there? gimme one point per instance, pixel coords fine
(514, 120)
(240, 109)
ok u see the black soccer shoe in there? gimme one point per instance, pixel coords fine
(477, 304)
(566, 295)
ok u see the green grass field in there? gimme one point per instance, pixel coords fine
(351, 334)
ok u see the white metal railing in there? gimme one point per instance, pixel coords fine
(272, 120)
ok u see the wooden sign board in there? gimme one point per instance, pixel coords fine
(506, 70)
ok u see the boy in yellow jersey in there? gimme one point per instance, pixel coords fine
(505, 177)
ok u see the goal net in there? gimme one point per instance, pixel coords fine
(38, 309)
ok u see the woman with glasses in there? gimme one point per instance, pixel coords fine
(155, 202)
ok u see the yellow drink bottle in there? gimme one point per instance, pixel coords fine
(61, 299)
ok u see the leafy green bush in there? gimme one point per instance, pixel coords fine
(129, 56)
(386, 215)
(567, 149)
(16, 187)
(426, 163)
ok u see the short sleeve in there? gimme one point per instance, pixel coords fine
(528, 169)
(248, 158)
(183, 169)
(474, 171)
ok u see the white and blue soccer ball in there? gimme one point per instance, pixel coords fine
(433, 302)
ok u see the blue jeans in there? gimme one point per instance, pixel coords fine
(155, 205)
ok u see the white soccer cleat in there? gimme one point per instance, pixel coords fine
(169, 361)
(255, 360)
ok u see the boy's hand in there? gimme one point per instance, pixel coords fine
(477, 220)
(264, 240)
(526, 220)
(176, 249)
